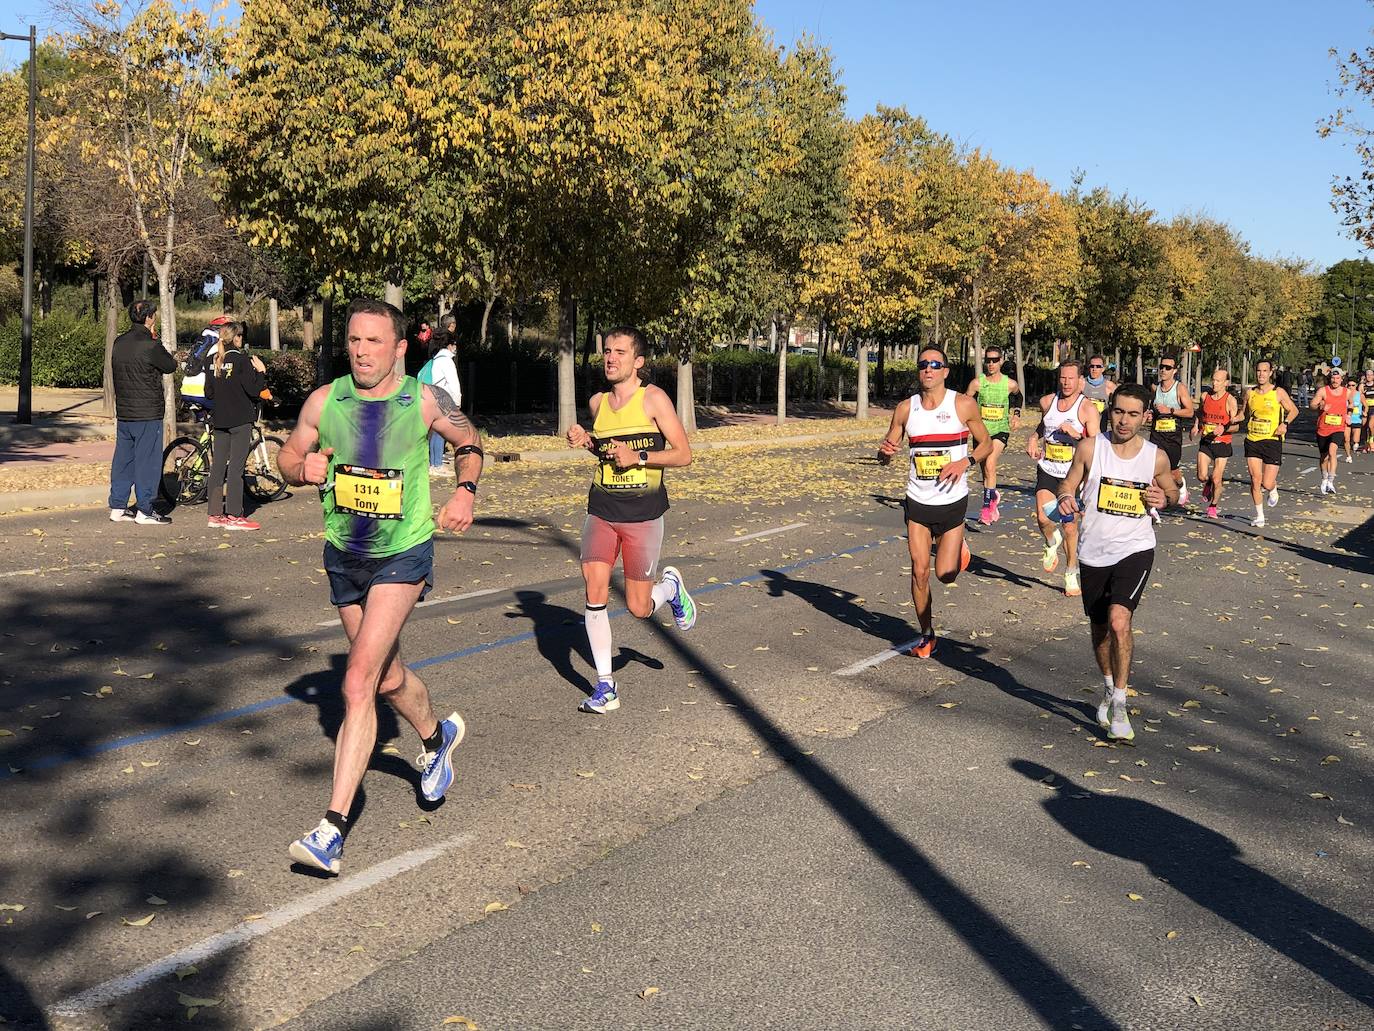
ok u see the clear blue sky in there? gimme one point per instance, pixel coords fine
(1205, 105)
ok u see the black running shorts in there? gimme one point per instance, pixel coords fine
(1215, 449)
(1044, 481)
(1121, 584)
(1270, 452)
(1173, 447)
(937, 519)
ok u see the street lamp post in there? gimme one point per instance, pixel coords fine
(24, 414)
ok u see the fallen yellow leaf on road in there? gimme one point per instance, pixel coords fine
(948, 705)
(1331, 759)
(470, 1025)
(1171, 935)
(585, 773)
(1134, 897)
(141, 922)
(648, 993)
(12, 907)
(515, 844)
(494, 907)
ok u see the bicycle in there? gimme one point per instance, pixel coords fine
(186, 465)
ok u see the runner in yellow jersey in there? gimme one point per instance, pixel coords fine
(1268, 411)
(993, 390)
(635, 434)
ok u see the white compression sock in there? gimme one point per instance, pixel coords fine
(1107, 681)
(599, 637)
(1119, 695)
(661, 593)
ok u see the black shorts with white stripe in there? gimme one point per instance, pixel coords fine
(1121, 584)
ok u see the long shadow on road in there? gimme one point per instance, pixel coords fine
(1206, 867)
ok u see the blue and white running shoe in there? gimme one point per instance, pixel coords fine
(438, 766)
(322, 848)
(602, 700)
(684, 609)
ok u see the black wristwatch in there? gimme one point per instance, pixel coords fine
(644, 458)
(468, 485)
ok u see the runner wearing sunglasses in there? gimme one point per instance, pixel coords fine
(1097, 388)
(937, 423)
(1172, 407)
(993, 392)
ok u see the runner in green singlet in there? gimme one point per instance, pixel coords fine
(364, 441)
(993, 391)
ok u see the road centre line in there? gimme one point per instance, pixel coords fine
(207, 948)
(767, 533)
(524, 587)
(441, 601)
(875, 660)
(52, 761)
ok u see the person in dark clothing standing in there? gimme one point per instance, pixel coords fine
(235, 384)
(138, 363)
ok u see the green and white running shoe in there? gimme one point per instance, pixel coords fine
(684, 609)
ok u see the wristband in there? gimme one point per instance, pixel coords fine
(468, 485)
(1060, 499)
(470, 449)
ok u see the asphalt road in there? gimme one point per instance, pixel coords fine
(770, 832)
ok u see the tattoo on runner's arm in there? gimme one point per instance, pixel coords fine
(450, 410)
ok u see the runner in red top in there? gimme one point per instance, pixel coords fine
(1219, 416)
(1332, 405)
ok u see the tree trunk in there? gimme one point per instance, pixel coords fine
(166, 303)
(486, 319)
(781, 352)
(308, 326)
(821, 330)
(324, 358)
(95, 297)
(1139, 364)
(510, 329)
(882, 362)
(686, 391)
(273, 325)
(861, 391)
(588, 341)
(395, 296)
(111, 331)
(1245, 370)
(567, 353)
(1116, 366)
(1017, 327)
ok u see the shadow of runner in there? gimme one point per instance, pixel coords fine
(20, 1010)
(1206, 867)
(951, 653)
(559, 636)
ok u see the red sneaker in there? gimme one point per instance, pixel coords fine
(985, 516)
(965, 556)
(923, 648)
(240, 523)
(216, 522)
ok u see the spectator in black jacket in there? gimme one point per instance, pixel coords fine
(138, 363)
(235, 384)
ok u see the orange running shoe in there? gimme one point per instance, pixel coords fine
(965, 556)
(923, 648)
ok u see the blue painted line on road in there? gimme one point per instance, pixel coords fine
(53, 760)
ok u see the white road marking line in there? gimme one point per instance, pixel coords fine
(874, 660)
(1304, 472)
(443, 601)
(767, 533)
(116, 988)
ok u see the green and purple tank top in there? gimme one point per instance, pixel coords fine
(376, 503)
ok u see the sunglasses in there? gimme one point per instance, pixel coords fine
(992, 358)
(930, 363)
(1096, 365)
(1168, 368)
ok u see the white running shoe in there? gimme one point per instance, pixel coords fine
(1120, 727)
(1273, 497)
(1347, 459)
(1104, 710)
(1154, 514)
(1073, 588)
(1258, 520)
(1050, 558)
(1183, 496)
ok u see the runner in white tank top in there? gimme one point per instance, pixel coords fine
(1066, 417)
(937, 423)
(1120, 478)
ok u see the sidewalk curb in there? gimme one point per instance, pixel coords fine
(577, 455)
(98, 496)
(66, 497)
(57, 432)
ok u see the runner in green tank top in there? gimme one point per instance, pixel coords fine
(993, 391)
(363, 440)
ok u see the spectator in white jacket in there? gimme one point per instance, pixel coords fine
(443, 373)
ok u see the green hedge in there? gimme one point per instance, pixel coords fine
(67, 351)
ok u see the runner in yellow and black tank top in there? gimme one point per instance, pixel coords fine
(1268, 411)
(635, 435)
(631, 495)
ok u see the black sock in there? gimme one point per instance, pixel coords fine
(435, 741)
(339, 820)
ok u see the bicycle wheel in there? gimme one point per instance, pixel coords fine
(261, 477)
(185, 470)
